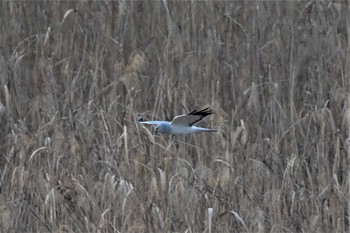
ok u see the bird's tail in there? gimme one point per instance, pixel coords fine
(211, 130)
(199, 129)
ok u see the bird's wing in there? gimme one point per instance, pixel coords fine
(191, 118)
(141, 121)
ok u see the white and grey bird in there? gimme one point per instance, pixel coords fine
(183, 124)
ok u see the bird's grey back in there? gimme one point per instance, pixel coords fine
(164, 127)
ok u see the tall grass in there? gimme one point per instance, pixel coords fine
(76, 76)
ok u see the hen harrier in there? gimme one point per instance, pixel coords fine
(183, 124)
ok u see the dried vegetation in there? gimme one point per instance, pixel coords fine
(76, 75)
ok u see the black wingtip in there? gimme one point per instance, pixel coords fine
(203, 112)
(192, 112)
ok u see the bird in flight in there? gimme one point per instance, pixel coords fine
(183, 124)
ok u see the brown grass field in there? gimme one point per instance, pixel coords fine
(76, 75)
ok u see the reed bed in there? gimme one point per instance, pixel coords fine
(75, 77)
